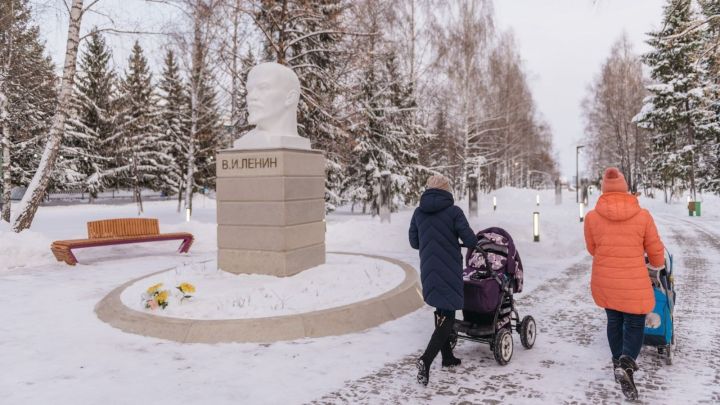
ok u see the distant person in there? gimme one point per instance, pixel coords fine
(618, 234)
(435, 228)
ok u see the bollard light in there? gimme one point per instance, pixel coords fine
(537, 200)
(494, 203)
(582, 212)
(536, 226)
(187, 214)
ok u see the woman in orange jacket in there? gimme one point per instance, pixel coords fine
(618, 235)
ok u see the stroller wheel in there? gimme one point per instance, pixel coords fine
(503, 347)
(528, 332)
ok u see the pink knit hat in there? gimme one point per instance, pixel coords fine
(614, 181)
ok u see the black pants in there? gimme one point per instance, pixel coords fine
(440, 340)
(625, 333)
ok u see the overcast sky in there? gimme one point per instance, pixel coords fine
(562, 42)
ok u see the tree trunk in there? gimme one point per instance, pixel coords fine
(7, 178)
(136, 187)
(180, 194)
(190, 176)
(195, 83)
(691, 133)
(5, 141)
(38, 186)
(235, 73)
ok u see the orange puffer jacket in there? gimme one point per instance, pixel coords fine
(618, 233)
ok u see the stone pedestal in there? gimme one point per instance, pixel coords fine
(270, 211)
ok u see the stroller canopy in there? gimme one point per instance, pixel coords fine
(495, 253)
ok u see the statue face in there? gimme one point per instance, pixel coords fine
(269, 96)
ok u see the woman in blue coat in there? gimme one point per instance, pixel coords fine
(436, 226)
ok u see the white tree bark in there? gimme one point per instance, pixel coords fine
(235, 75)
(4, 117)
(190, 177)
(7, 180)
(36, 190)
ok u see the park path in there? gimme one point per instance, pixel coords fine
(570, 361)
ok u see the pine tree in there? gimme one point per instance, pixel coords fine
(676, 111)
(175, 122)
(377, 133)
(406, 132)
(27, 97)
(710, 167)
(143, 150)
(210, 137)
(85, 150)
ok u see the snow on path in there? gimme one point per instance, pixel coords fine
(568, 363)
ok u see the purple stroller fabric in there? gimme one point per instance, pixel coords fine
(493, 260)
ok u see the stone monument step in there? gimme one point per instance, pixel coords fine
(281, 264)
(270, 188)
(270, 213)
(272, 238)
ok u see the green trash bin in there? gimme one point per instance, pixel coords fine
(697, 208)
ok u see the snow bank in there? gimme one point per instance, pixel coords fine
(18, 250)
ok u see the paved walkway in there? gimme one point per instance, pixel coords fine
(570, 361)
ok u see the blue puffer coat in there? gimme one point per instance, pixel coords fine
(435, 228)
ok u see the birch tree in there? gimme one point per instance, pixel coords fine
(27, 96)
(462, 46)
(39, 184)
(612, 100)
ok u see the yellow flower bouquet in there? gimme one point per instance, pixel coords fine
(154, 297)
(186, 290)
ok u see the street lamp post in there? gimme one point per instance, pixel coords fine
(577, 172)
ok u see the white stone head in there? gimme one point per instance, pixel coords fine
(273, 92)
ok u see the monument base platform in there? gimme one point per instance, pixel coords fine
(394, 303)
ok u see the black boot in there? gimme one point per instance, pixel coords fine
(423, 376)
(448, 358)
(443, 329)
(624, 374)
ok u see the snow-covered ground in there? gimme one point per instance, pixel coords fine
(53, 347)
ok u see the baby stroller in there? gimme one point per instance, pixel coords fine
(659, 328)
(494, 272)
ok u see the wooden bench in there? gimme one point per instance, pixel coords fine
(116, 232)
